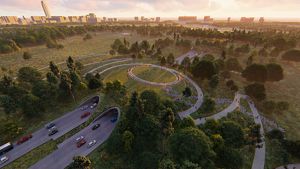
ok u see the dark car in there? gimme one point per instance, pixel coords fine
(52, 132)
(49, 126)
(96, 126)
(24, 139)
(84, 115)
(114, 119)
(80, 143)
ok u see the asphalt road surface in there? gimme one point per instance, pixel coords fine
(63, 156)
(64, 124)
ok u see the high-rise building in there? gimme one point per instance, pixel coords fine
(46, 9)
(187, 18)
(9, 20)
(157, 19)
(247, 19)
(228, 19)
(136, 18)
(208, 19)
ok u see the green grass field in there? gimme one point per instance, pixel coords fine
(154, 74)
(74, 46)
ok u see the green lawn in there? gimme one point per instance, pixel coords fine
(153, 74)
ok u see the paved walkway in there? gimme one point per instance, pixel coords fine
(290, 166)
(259, 157)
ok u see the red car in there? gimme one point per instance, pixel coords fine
(84, 115)
(80, 143)
(24, 139)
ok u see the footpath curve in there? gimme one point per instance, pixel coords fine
(259, 157)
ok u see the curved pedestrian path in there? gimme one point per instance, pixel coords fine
(290, 166)
(133, 76)
(182, 114)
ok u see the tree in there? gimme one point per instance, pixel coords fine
(54, 69)
(208, 105)
(187, 122)
(291, 55)
(232, 64)
(189, 165)
(269, 106)
(27, 55)
(127, 139)
(75, 79)
(95, 83)
(214, 81)
(274, 72)
(145, 45)
(170, 59)
(80, 162)
(30, 105)
(71, 64)
(46, 92)
(112, 52)
(66, 85)
(9, 105)
(191, 144)
(186, 63)
(204, 70)
(167, 122)
(229, 158)
(51, 78)
(223, 55)
(29, 74)
(256, 91)
(187, 92)
(151, 101)
(282, 106)
(232, 133)
(5, 83)
(116, 45)
(87, 37)
(163, 61)
(78, 65)
(166, 164)
(255, 72)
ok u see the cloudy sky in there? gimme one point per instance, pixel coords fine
(163, 8)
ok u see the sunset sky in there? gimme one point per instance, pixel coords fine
(163, 8)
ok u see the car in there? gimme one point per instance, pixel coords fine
(52, 128)
(84, 107)
(85, 114)
(50, 125)
(93, 142)
(52, 132)
(3, 159)
(24, 139)
(114, 119)
(96, 126)
(95, 104)
(80, 143)
(79, 138)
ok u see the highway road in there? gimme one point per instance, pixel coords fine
(191, 54)
(63, 156)
(64, 124)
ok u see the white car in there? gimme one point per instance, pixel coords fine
(3, 159)
(84, 107)
(92, 143)
(79, 138)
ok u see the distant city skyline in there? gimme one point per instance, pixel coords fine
(166, 9)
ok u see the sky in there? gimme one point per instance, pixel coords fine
(152, 8)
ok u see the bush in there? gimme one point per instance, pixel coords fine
(291, 55)
(27, 55)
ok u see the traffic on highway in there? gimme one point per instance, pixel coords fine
(53, 130)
